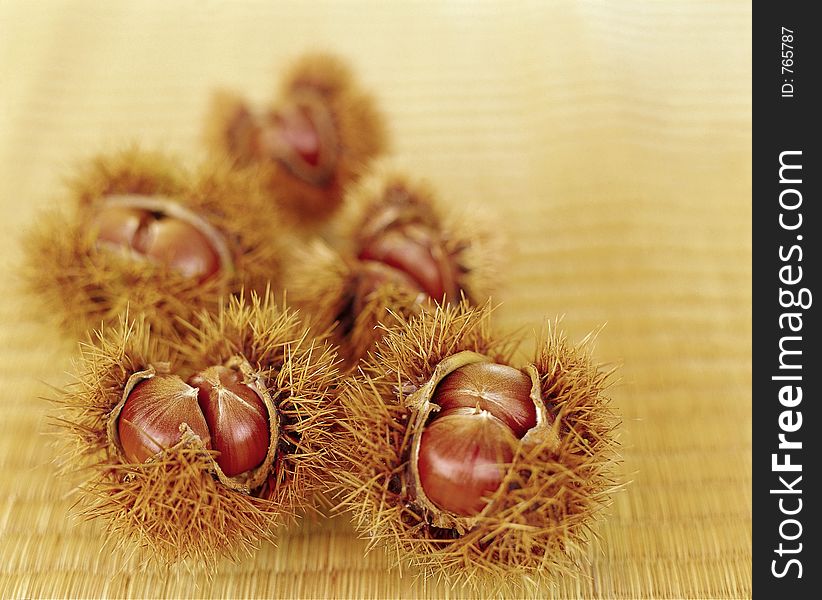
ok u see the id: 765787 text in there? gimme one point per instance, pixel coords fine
(787, 62)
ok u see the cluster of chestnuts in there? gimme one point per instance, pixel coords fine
(288, 325)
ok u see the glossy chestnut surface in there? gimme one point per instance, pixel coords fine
(501, 390)
(153, 413)
(228, 416)
(157, 237)
(462, 459)
(236, 417)
(485, 408)
(415, 251)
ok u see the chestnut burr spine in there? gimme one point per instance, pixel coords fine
(179, 504)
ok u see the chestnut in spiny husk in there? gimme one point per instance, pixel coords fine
(484, 408)
(468, 466)
(141, 231)
(316, 139)
(201, 447)
(398, 255)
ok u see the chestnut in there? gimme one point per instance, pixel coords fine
(140, 230)
(473, 414)
(399, 256)
(236, 416)
(484, 409)
(202, 447)
(118, 226)
(415, 251)
(153, 236)
(152, 416)
(502, 390)
(301, 135)
(296, 129)
(462, 459)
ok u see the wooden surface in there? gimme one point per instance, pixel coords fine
(612, 138)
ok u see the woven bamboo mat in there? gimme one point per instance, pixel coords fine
(613, 139)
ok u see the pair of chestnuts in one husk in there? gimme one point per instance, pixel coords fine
(142, 233)
(469, 464)
(316, 138)
(203, 449)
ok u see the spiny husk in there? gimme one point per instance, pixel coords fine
(357, 122)
(107, 359)
(176, 506)
(255, 231)
(171, 509)
(385, 198)
(301, 372)
(322, 282)
(168, 509)
(468, 231)
(84, 286)
(539, 521)
(130, 170)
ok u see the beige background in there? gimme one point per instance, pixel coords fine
(614, 140)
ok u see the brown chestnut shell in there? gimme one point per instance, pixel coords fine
(347, 121)
(325, 282)
(275, 144)
(168, 207)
